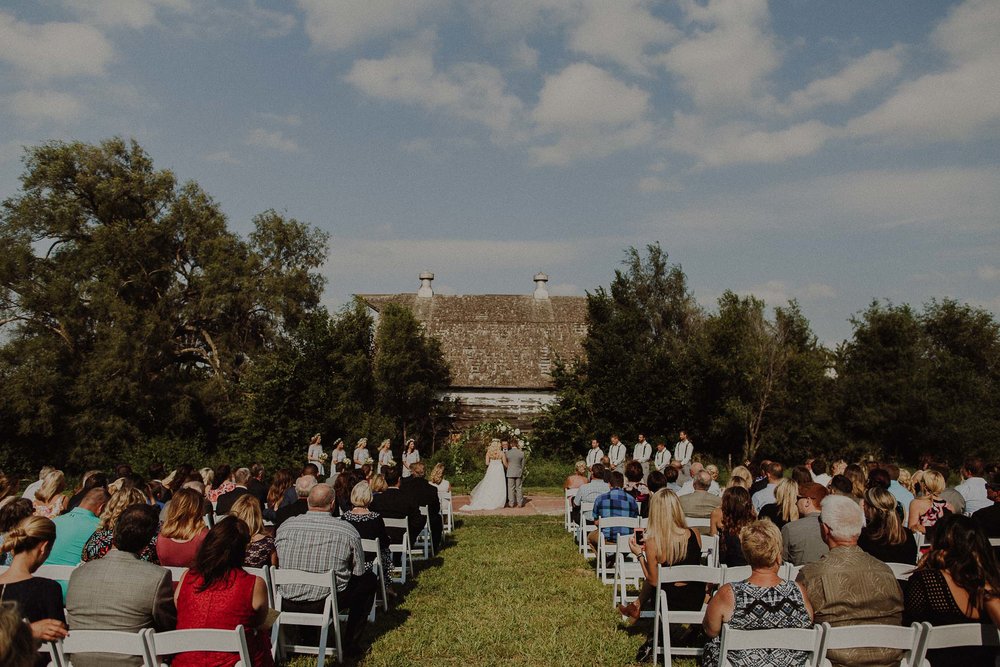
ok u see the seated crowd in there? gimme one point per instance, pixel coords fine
(840, 528)
(123, 534)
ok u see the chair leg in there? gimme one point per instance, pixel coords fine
(323, 635)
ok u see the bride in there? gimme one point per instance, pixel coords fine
(491, 493)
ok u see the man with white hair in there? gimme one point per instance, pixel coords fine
(695, 470)
(850, 587)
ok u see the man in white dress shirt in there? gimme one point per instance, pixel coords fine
(688, 486)
(595, 454)
(683, 449)
(642, 452)
(616, 453)
(973, 489)
(662, 459)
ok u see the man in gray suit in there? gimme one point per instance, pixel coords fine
(119, 591)
(513, 461)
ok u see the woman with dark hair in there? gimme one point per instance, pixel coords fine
(222, 482)
(634, 485)
(957, 581)
(735, 512)
(858, 478)
(184, 530)
(282, 482)
(884, 535)
(342, 487)
(218, 594)
(12, 513)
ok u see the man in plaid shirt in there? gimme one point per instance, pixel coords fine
(319, 542)
(615, 502)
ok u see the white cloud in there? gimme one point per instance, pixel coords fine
(342, 24)
(134, 14)
(650, 184)
(872, 69)
(725, 59)
(988, 272)
(957, 102)
(45, 105)
(44, 51)
(223, 157)
(470, 91)
(274, 140)
(744, 143)
(620, 32)
(778, 292)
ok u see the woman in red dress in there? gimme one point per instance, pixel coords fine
(216, 593)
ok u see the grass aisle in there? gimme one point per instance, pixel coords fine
(507, 591)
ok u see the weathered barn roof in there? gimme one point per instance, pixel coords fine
(499, 341)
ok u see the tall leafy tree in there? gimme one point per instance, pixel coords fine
(127, 306)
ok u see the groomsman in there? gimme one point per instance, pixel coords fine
(617, 453)
(683, 449)
(595, 454)
(642, 453)
(662, 459)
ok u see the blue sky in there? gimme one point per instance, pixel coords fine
(824, 151)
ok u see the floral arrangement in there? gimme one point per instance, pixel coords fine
(479, 436)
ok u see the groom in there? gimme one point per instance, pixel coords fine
(513, 461)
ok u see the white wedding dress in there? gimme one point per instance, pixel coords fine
(491, 492)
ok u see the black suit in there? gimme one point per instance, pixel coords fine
(424, 493)
(300, 506)
(394, 504)
(226, 500)
(258, 490)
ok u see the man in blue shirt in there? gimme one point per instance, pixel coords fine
(74, 528)
(614, 503)
(900, 492)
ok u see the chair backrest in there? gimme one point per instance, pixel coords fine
(370, 546)
(995, 541)
(56, 572)
(175, 572)
(963, 634)
(396, 523)
(570, 493)
(281, 576)
(901, 570)
(911, 639)
(424, 510)
(789, 571)
(710, 549)
(265, 574)
(796, 639)
(736, 573)
(668, 574)
(620, 522)
(182, 641)
(107, 641)
(694, 522)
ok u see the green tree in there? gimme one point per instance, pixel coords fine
(410, 373)
(128, 308)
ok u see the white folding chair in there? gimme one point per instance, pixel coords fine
(737, 573)
(265, 574)
(995, 541)
(586, 525)
(951, 636)
(423, 547)
(55, 572)
(910, 640)
(694, 522)
(161, 644)
(664, 618)
(403, 549)
(104, 641)
(374, 547)
(327, 620)
(901, 570)
(796, 639)
(789, 572)
(605, 549)
(175, 572)
(710, 550)
(568, 522)
(209, 519)
(628, 572)
(919, 538)
(447, 513)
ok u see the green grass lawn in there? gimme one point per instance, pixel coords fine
(506, 591)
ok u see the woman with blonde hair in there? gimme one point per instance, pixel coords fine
(261, 549)
(785, 507)
(18, 648)
(740, 476)
(928, 509)
(184, 530)
(438, 480)
(764, 601)
(40, 600)
(49, 499)
(378, 484)
(858, 478)
(315, 455)
(884, 535)
(370, 525)
(491, 492)
(578, 478)
(99, 543)
(385, 453)
(666, 541)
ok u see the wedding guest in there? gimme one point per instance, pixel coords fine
(276, 496)
(927, 510)
(315, 454)
(785, 507)
(29, 491)
(655, 481)
(100, 542)
(260, 550)
(303, 485)
(775, 473)
(184, 530)
(819, 474)
(241, 482)
(957, 581)
(802, 539)
(223, 477)
(740, 476)
(884, 535)
(40, 600)
(12, 513)
(438, 480)
(838, 467)
(378, 484)
(858, 478)
(17, 646)
(578, 478)
(666, 541)
(728, 520)
(74, 528)
(207, 477)
(410, 456)
(90, 479)
(700, 503)
(764, 601)
(370, 525)
(841, 486)
(634, 486)
(987, 518)
(588, 492)
(973, 486)
(49, 499)
(218, 594)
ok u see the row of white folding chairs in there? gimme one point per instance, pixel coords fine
(447, 513)
(914, 641)
(149, 646)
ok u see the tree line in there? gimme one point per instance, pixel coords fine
(746, 382)
(134, 324)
